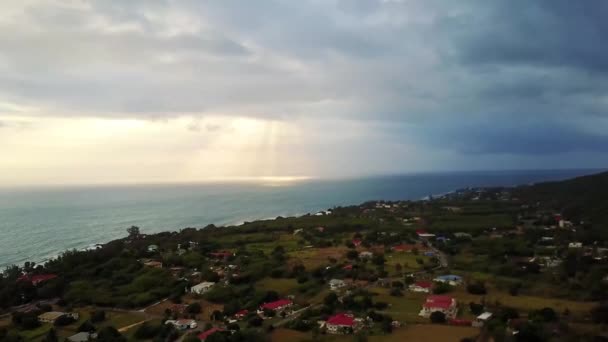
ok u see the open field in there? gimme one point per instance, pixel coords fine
(525, 303)
(403, 309)
(427, 333)
(315, 257)
(283, 286)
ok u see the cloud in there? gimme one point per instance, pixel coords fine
(466, 78)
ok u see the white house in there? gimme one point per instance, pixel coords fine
(575, 245)
(182, 324)
(335, 284)
(202, 287)
(482, 319)
(366, 255)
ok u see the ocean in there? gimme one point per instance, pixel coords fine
(38, 223)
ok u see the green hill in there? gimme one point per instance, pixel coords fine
(581, 198)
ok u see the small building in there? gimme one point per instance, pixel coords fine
(482, 319)
(52, 316)
(277, 305)
(341, 323)
(357, 242)
(445, 304)
(423, 234)
(182, 324)
(153, 248)
(405, 248)
(575, 245)
(462, 235)
(153, 263)
(82, 337)
(221, 254)
(336, 284)
(450, 279)
(202, 288)
(421, 286)
(203, 336)
(366, 255)
(241, 314)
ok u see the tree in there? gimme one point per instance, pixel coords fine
(110, 334)
(256, 321)
(477, 288)
(51, 336)
(476, 309)
(352, 254)
(194, 308)
(331, 299)
(599, 314)
(133, 232)
(86, 326)
(98, 316)
(438, 317)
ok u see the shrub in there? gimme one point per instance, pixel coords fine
(98, 316)
(477, 288)
(194, 308)
(438, 317)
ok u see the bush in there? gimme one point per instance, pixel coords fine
(146, 331)
(599, 314)
(396, 292)
(98, 316)
(64, 320)
(86, 326)
(477, 288)
(476, 309)
(441, 288)
(438, 317)
(256, 321)
(194, 308)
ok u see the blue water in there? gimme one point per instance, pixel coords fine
(36, 224)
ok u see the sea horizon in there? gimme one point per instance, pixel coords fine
(40, 222)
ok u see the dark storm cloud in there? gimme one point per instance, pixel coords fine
(476, 76)
(546, 33)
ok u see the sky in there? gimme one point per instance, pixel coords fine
(115, 91)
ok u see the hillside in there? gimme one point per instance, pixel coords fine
(583, 197)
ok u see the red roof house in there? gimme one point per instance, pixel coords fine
(276, 305)
(241, 314)
(445, 304)
(341, 322)
(203, 336)
(404, 248)
(357, 242)
(37, 278)
(221, 254)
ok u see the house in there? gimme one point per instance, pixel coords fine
(341, 323)
(320, 229)
(357, 242)
(366, 255)
(575, 245)
(277, 305)
(52, 316)
(298, 231)
(404, 248)
(423, 234)
(429, 254)
(153, 263)
(182, 324)
(421, 286)
(335, 284)
(445, 304)
(82, 337)
(451, 279)
(241, 314)
(152, 248)
(347, 267)
(221, 254)
(461, 235)
(37, 278)
(203, 336)
(202, 288)
(482, 319)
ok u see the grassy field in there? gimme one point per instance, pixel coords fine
(524, 303)
(407, 261)
(403, 309)
(416, 332)
(314, 257)
(281, 285)
(427, 333)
